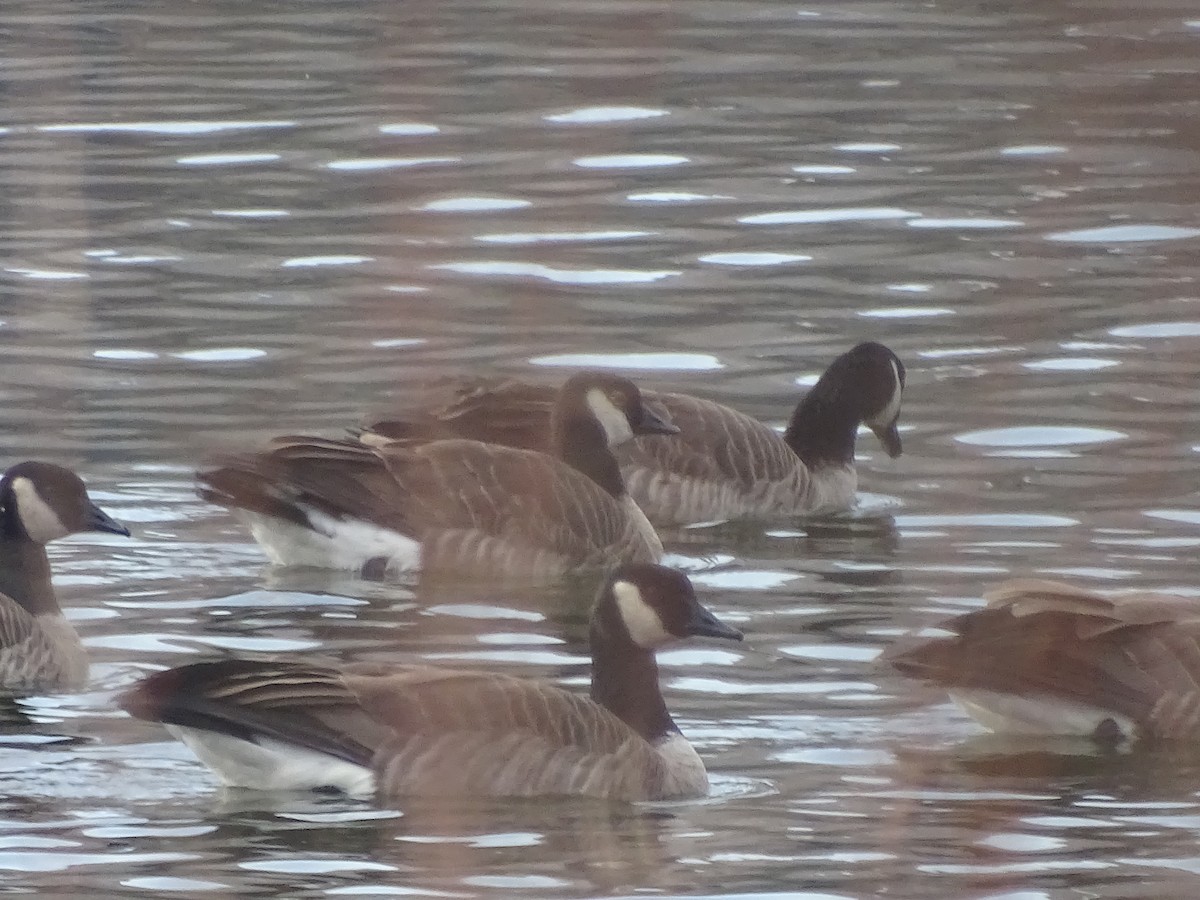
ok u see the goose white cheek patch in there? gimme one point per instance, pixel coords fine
(41, 522)
(888, 414)
(641, 621)
(614, 422)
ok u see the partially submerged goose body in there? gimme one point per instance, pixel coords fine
(1049, 658)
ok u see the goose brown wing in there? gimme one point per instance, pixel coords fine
(462, 732)
(339, 477)
(502, 411)
(28, 657)
(16, 624)
(1137, 655)
(715, 443)
(519, 496)
(304, 706)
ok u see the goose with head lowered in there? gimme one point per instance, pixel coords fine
(390, 732)
(458, 506)
(39, 648)
(1043, 657)
(723, 464)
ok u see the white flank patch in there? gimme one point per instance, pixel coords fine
(273, 765)
(686, 775)
(332, 543)
(641, 621)
(889, 412)
(615, 423)
(1010, 714)
(41, 522)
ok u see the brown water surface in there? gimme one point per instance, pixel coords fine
(223, 221)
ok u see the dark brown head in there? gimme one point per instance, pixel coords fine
(654, 605)
(876, 375)
(41, 501)
(614, 403)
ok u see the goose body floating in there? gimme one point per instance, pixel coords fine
(722, 465)
(39, 649)
(391, 732)
(460, 506)
(1043, 657)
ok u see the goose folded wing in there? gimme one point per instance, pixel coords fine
(502, 411)
(520, 495)
(463, 732)
(341, 478)
(715, 444)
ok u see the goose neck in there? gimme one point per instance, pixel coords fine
(580, 442)
(625, 681)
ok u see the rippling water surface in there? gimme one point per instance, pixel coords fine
(224, 221)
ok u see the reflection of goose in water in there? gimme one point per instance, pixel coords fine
(722, 465)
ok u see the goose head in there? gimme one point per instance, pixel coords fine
(654, 606)
(43, 502)
(613, 403)
(876, 375)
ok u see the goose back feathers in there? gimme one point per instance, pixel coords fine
(418, 730)
(455, 505)
(39, 649)
(1051, 658)
(723, 464)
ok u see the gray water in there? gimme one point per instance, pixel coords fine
(223, 221)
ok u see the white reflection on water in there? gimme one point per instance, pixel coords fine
(1158, 330)
(631, 161)
(393, 162)
(1040, 436)
(824, 170)
(867, 147)
(599, 115)
(227, 159)
(1071, 364)
(409, 129)
(559, 237)
(311, 261)
(673, 197)
(993, 520)
(125, 355)
(475, 204)
(1117, 234)
(980, 224)
(824, 216)
(559, 276)
(183, 128)
(46, 274)
(222, 354)
(754, 259)
(906, 312)
(1033, 150)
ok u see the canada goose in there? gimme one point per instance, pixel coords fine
(371, 729)
(1048, 658)
(723, 464)
(39, 649)
(453, 505)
